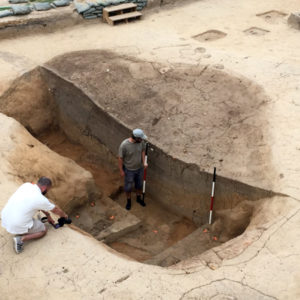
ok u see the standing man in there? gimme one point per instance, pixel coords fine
(132, 164)
(17, 215)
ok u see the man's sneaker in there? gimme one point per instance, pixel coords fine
(18, 244)
(140, 201)
(128, 205)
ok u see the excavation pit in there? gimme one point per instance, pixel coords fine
(210, 35)
(272, 16)
(256, 31)
(85, 104)
(143, 233)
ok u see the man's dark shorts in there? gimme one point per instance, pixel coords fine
(136, 177)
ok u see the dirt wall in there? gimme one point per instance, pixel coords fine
(180, 186)
(29, 102)
(195, 113)
(45, 98)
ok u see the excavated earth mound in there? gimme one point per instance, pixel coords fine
(196, 118)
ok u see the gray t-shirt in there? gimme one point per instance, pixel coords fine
(131, 153)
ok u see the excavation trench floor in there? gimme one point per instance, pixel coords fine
(159, 228)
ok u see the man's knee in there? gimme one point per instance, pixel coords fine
(38, 227)
(128, 182)
(42, 233)
(128, 187)
(139, 179)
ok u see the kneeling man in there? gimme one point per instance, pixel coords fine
(17, 215)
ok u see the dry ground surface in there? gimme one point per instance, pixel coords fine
(230, 36)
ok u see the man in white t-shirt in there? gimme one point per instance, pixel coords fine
(17, 215)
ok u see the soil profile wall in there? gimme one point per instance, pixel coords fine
(180, 186)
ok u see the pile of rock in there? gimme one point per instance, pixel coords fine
(24, 7)
(93, 9)
(294, 20)
(140, 4)
(89, 9)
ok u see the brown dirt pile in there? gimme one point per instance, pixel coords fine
(196, 113)
(29, 159)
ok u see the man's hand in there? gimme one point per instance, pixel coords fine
(56, 210)
(120, 161)
(145, 166)
(50, 220)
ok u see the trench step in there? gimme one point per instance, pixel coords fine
(124, 12)
(119, 229)
(124, 223)
(121, 7)
(194, 244)
(124, 17)
(106, 220)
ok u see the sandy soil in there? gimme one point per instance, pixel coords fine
(260, 264)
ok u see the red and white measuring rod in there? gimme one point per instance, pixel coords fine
(145, 171)
(212, 196)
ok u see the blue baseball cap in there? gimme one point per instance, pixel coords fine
(139, 133)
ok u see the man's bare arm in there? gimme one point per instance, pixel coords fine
(121, 166)
(47, 214)
(56, 210)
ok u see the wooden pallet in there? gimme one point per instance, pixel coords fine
(123, 12)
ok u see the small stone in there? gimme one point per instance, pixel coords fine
(212, 266)
(165, 228)
(294, 20)
(218, 66)
(200, 50)
(164, 70)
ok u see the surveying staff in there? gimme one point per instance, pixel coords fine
(132, 164)
(17, 215)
